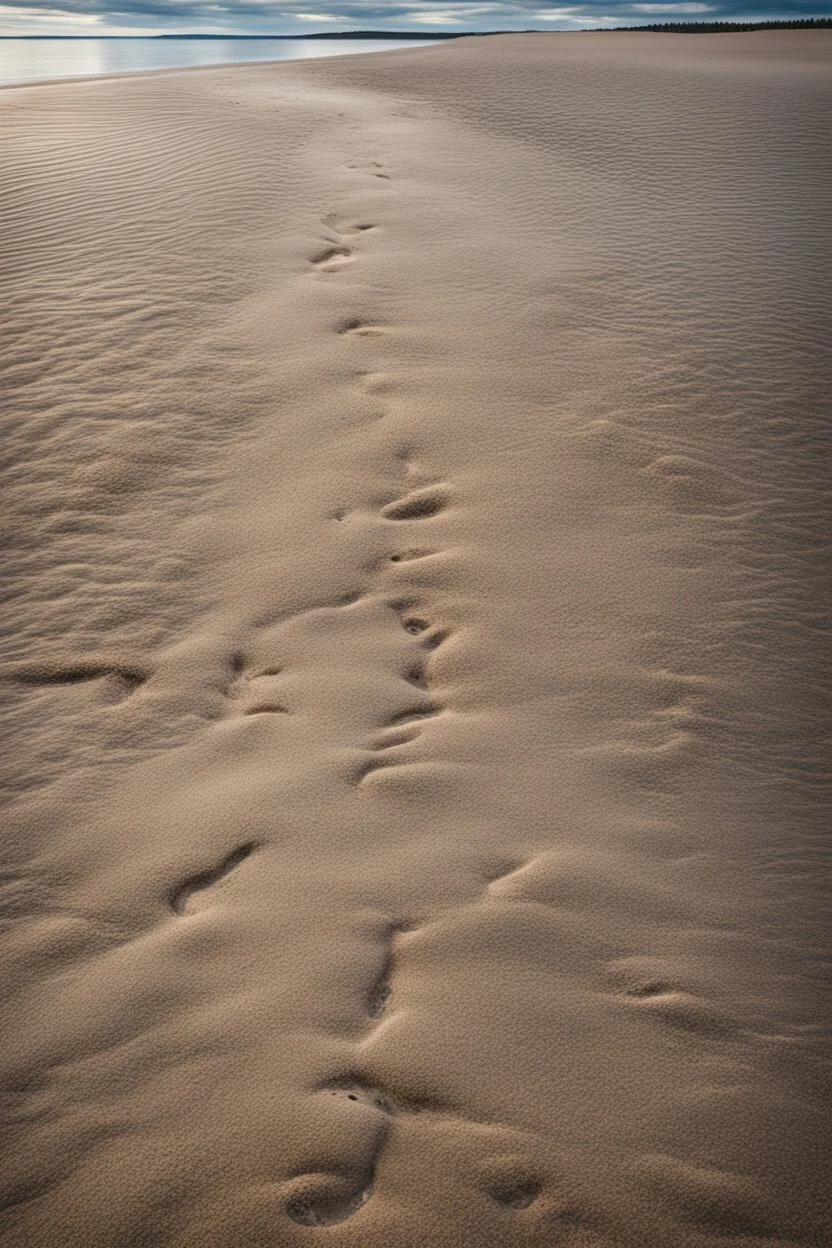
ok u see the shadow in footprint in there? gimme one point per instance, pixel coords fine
(400, 735)
(325, 1200)
(516, 1195)
(415, 624)
(416, 675)
(413, 714)
(332, 253)
(360, 329)
(407, 556)
(511, 1182)
(181, 896)
(126, 678)
(418, 505)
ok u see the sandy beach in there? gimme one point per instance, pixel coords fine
(415, 513)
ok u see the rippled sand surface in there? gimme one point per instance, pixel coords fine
(415, 515)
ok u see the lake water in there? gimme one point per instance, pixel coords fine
(32, 60)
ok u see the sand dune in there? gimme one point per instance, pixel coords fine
(414, 504)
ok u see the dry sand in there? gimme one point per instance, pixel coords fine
(415, 536)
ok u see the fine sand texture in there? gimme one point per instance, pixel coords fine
(414, 513)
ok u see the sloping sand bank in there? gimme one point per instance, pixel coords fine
(414, 499)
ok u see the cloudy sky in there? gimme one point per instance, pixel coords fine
(148, 17)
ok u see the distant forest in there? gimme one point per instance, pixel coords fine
(715, 28)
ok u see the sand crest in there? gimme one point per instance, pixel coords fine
(414, 511)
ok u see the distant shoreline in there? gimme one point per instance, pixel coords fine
(692, 28)
(349, 34)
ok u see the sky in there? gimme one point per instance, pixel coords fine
(303, 17)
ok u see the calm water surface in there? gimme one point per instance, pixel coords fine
(24, 60)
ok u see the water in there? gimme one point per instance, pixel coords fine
(33, 60)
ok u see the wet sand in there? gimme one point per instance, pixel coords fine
(415, 514)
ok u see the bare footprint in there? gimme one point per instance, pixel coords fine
(381, 990)
(324, 1200)
(180, 898)
(379, 997)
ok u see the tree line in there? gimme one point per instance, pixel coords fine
(712, 28)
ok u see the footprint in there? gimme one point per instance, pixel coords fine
(180, 898)
(379, 997)
(360, 329)
(370, 765)
(514, 1191)
(658, 992)
(423, 710)
(681, 1009)
(434, 638)
(415, 624)
(126, 677)
(394, 737)
(324, 1200)
(418, 625)
(243, 688)
(416, 675)
(392, 740)
(332, 258)
(359, 1093)
(381, 990)
(236, 680)
(407, 556)
(418, 505)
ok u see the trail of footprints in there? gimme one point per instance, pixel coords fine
(322, 1203)
(325, 1199)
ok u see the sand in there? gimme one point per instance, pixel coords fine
(414, 501)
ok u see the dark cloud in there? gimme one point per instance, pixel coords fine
(306, 16)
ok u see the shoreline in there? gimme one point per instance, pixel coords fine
(179, 69)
